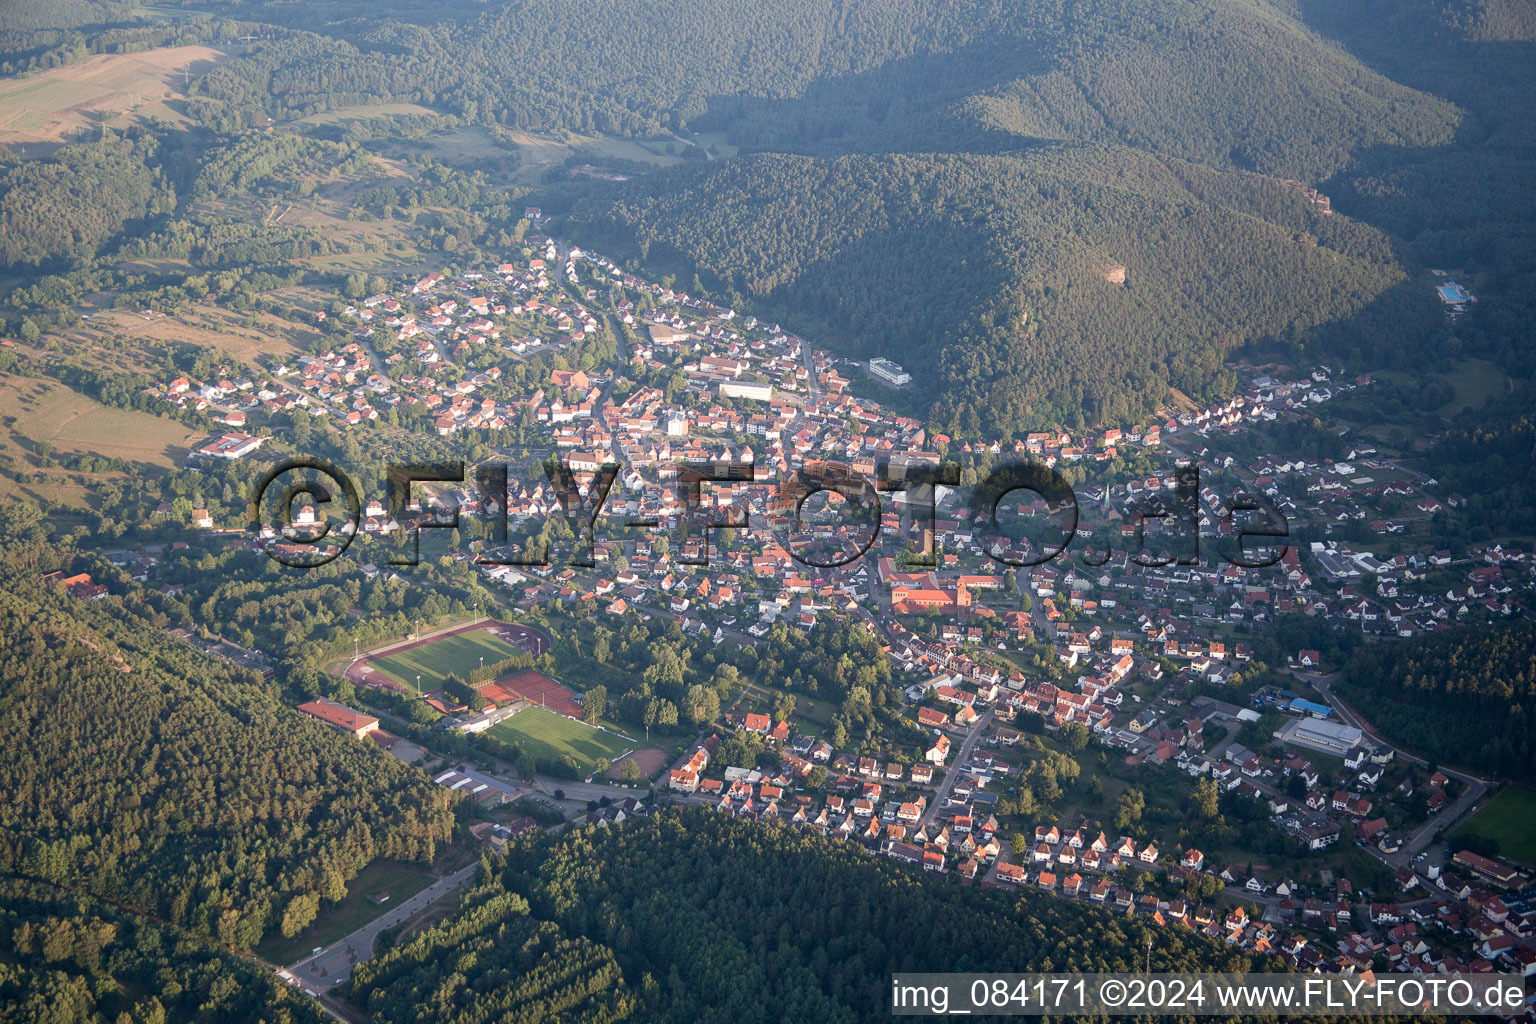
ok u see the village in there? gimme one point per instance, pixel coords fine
(1129, 645)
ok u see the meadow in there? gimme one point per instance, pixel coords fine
(54, 105)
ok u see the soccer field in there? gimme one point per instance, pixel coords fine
(459, 654)
(548, 737)
(1510, 818)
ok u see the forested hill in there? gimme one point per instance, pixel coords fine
(142, 770)
(696, 916)
(68, 959)
(996, 270)
(1460, 697)
(1239, 82)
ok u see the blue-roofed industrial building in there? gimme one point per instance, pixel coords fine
(1312, 708)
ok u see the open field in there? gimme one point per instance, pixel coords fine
(37, 411)
(364, 111)
(324, 212)
(539, 153)
(357, 909)
(53, 105)
(473, 146)
(1509, 818)
(1477, 382)
(717, 140)
(458, 654)
(549, 737)
(240, 336)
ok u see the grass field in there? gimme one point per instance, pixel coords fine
(138, 343)
(1509, 818)
(548, 737)
(539, 153)
(1477, 382)
(34, 411)
(72, 422)
(52, 105)
(356, 910)
(459, 654)
(367, 110)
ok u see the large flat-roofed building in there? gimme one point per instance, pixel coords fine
(1334, 738)
(1486, 867)
(890, 372)
(231, 446)
(661, 334)
(340, 717)
(744, 389)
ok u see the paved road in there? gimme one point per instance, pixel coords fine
(333, 965)
(581, 792)
(1473, 787)
(961, 757)
(811, 383)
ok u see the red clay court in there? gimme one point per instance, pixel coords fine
(650, 760)
(536, 688)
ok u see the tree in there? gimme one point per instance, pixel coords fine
(602, 766)
(703, 704)
(300, 912)
(526, 766)
(1207, 799)
(1128, 808)
(726, 677)
(594, 704)
(630, 772)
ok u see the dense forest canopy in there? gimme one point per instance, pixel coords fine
(141, 770)
(1238, 83)
(70, 206)
(1461, 697)
(697, 916)
(66, 958)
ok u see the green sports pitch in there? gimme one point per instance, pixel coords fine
(1509, 818)
(435, 660)
(548, 737)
